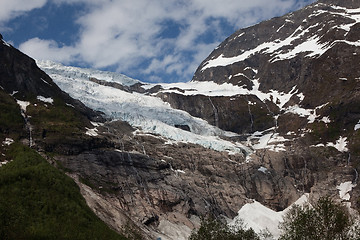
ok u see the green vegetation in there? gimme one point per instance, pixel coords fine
(132, 232)
(56, 122)
(211, 229)
(325, 132)
(11, 121)
(326, 220)
(355, 143)
(40, 202)
(262, 119)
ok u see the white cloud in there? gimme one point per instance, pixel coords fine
(13, 8)
(48, 49)
(127, 33)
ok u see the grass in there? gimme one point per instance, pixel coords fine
(38, 201)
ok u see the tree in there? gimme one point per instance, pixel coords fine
(326, 220)
(212, 229)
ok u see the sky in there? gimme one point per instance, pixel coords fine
(153, 41)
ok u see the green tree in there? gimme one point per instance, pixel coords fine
(326, 220)
(212, 229)
(38, 202)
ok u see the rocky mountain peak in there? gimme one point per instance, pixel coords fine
(344, 3)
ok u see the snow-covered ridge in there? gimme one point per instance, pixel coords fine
(275, 49)
(305, 39)
(5, 43)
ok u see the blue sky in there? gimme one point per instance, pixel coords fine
(153, 41)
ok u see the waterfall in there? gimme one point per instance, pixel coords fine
(216, 115)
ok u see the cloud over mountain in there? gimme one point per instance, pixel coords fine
(158, 40)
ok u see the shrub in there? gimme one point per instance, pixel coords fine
(212, 229)
(326, 220)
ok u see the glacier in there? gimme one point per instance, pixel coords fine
(146, 112)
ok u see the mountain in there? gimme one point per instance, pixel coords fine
(285, 63)
(39, 201)
(271, 117)
(151, 177)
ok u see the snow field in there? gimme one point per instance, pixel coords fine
(259, 217)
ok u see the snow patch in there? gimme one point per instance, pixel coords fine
(210, 89)
(357, 126)
(263, 169)
(267, 139)
(23, 104)
(92, 132)
(45, 100)
(353, 14)
(318, 145)
(8, 141)
(280, 28)
(179, 171)
(302, 112)
(312, 46)
(326, 120)
(45, 81)
(340, 144)
(345, 189)
(96, 124)
(4, 163)
(259, 217)
(309, 113)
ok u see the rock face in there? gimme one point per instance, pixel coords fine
(296, 107)
(228, 113)
(21, 77)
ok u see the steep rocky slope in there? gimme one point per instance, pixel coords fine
(287, 97)
(293, 56)
(129, 176)
(299, 79)
(302, 70)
